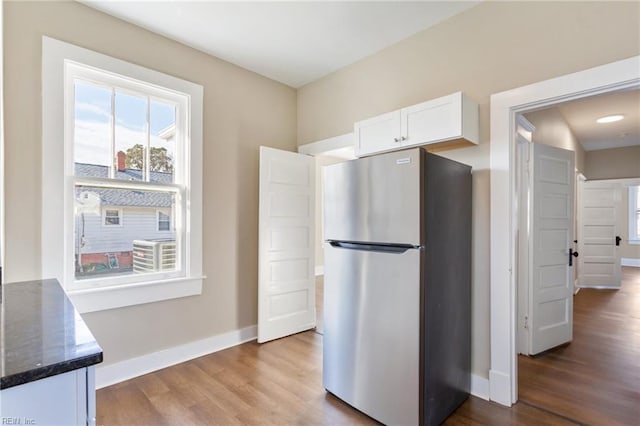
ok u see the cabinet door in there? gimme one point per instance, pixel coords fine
(55, 400)
(377, 134)
(432, 121)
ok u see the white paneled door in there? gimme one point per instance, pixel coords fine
(552, 221)
(286, 279)
(598, 235)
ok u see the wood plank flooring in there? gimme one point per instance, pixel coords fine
(276, 383)
(280, 382)
(596, 378)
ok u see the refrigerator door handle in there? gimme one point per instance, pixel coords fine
(384, 248)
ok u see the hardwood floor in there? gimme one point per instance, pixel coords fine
(280, 382)
(596, 378)
(276, 383)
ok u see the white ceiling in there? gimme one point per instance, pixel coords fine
(581, 116)
(293, 42)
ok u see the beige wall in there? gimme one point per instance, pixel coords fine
(321, 161)
(552, 129)
(490, 48)
(615, 163)
(241, 111)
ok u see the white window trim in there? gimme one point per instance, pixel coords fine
(166, 212)
(110, 225)
(57, 183)
(633, 202)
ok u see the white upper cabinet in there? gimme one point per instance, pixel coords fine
(443, 123)
(377, 134)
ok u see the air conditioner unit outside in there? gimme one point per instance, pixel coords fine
(154, 255)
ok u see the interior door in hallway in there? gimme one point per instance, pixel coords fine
(550, 319)
(599, 235)
(286, 261)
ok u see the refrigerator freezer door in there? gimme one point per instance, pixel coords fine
(374, 199)
(372, 332)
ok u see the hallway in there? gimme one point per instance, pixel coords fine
(596, 378)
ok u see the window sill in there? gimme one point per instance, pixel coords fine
(100, 299)
(634, 242)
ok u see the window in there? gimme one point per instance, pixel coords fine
(112, 217)
(129, 178)
(126, 142)
(634, 214)
(164, 221)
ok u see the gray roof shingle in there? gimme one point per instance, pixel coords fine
(125, 197)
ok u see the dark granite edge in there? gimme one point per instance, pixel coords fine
(49, 370)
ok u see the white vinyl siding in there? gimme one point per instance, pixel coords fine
(137, 224)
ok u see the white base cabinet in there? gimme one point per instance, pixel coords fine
(64, 399)
(443, 123)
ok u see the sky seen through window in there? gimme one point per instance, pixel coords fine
(92, 138)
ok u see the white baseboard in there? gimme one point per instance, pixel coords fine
(120, 371)
(500, 388)
(480, 387)
(319, 270)
(628, 261)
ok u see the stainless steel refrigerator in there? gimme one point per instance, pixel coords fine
(397, 293)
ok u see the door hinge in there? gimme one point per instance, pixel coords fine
(526, 322)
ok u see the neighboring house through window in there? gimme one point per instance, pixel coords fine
(132, 156)
(634, 214)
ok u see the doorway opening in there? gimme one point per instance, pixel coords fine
(325, 152)
(598, 350)
(549, 189)
(505, 106)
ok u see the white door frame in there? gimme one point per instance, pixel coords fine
(524, 132)
(503, 384)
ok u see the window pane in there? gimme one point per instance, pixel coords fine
(92, 129)
(112, 217)
(162, 119)
(136, 246)
(130, 136)
(637, 197)
(164, 221)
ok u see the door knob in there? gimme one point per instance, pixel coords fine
(572, 254)
(618, 239)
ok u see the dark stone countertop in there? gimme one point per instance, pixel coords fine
(41, 333)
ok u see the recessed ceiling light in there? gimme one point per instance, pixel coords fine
(610, 118)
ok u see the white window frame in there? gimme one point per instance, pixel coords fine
(166, 212)
(634, 232)
(104, 217)
(61, 64)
